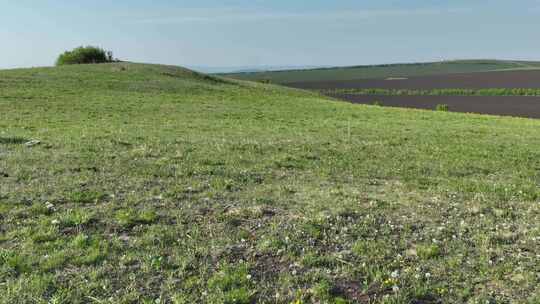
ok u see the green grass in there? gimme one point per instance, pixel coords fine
(436, 92)
(154, 184)
(389, 70)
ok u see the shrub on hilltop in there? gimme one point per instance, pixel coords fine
(85, 55)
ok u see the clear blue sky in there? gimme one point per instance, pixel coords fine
(270, 32)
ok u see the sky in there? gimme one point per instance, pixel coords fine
(249, 33)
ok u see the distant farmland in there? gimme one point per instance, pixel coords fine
(385, 71)
(463, 92)
(488, 87)
(519, 106)
(528, 79)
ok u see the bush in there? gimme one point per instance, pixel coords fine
(442, 107)
(85, 55)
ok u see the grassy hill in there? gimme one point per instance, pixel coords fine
(388, 70)
(154, 184)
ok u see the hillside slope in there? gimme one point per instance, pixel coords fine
(154, 184)
(387, 70)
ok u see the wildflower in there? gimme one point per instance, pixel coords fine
(395, 289)
(49, 206)
(55, 222)
(395, 274)
(428, 275)
(248, 277)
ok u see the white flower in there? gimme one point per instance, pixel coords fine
(395, 274)
(428, 275)
(395, 289)
(49, 206)
(248, 277)
(55, 222)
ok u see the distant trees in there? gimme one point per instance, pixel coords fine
(85, 55)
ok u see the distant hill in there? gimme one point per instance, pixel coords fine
(249, 69)
(386, 70)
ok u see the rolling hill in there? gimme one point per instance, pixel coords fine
(387, 70)
(134, 183)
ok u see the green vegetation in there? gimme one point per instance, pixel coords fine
(388, 70)
(85, 55)
(154, 184)
(441, 107)
(436, 92)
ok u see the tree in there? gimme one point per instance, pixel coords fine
(85, 55)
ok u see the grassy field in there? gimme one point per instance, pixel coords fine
(152, 184)
(384, 71)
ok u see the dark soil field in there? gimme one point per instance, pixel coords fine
(520, 106)
(356, 73)
(482, 80)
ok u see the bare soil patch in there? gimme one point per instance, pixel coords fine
(520, 106)
(527, 79)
